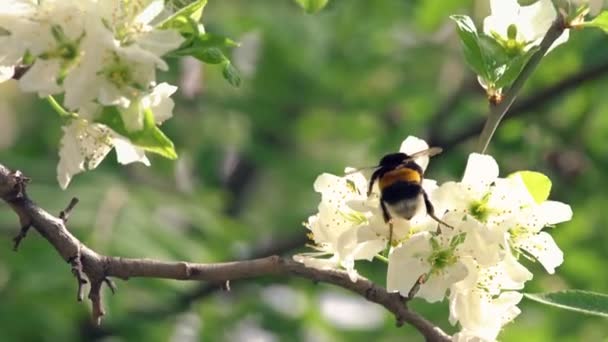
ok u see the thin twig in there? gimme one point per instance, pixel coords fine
(98, 267)
(527, 104)
(65, 214)
(498, 111)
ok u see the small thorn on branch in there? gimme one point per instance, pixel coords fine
(226, 286)
(65, 214)
(110, 284)
(22, 234)
(421, 280)
(76, 263)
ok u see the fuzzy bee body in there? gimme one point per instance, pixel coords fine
(399, 179)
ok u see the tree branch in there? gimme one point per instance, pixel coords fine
(98, 267)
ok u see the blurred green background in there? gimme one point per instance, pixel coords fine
(320, 92)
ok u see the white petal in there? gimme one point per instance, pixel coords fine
(150, 12)
(434, 289)
(160, 42)
(369, 249)
(312, 260)
(411, 145)
(83, 147)
(325, 181)
(481, 169)
(160, 102)
(535, 20)
(127, 153)
(503, 14)
(554, 212)
(133, 116)
(545, 250)
(407, 263)
(6, 73)
(41, 78)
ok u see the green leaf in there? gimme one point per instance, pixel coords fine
(457, 239)
(601, 21)
(179, 20)
(538, 185)
(312, 6)
(473, 52)
(150, 138)
(231, 74)
(591, 303)
(199, 45)
(211, 56)
(208, 48)
(513, 68)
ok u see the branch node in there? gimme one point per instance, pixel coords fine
(370, 293)
(65, 214)
(21, 182)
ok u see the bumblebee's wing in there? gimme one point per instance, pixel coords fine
(429, 152)
(361, 169)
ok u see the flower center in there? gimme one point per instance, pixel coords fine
(479, 210)
(441, 259)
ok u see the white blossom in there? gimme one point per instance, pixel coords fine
(521, 27)
(338, 231)
(85, 144)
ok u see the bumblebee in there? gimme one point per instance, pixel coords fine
(400, 182)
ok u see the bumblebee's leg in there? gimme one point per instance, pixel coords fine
(430, 210)
(372, 180)
(389, 220)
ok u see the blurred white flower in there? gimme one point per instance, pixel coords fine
(103, 51)
(521, 27)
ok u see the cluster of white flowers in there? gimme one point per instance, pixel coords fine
(475, 264)
(95, 53)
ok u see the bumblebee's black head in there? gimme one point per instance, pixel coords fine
(393, 160)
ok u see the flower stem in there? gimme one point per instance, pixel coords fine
(63, 113)
(498, 111)
(381, 258)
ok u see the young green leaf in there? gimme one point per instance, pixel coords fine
(513, 68)
(575, 300)
(150, 138)
(211, 56)
(202, 42)
(231, 74)
(312, 6)
(538, 185)
(179, 19)
(601, 21)
(473, 52)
